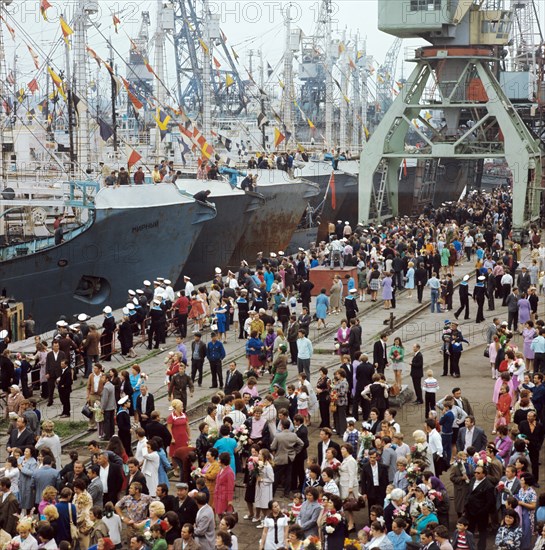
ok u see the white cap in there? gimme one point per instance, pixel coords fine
(339, 221)
(75, 326)
(273, 254)
(157, 301)
(107, 309)
(14, 386)
(466, 278)
(156, 282)
(62, 323)
(125, 311)
(135, 301)
(280, 252)
(217, 271)
(83, 317)
(346, 223)
(301, 249)
(481, 278)
(130, 306)
(161, 279)
(187, 278)
(123, 400)
(146, 283)
(353, 291)
(167, 282)
(131, 292)
(139, 291)
(244, 262)
(230, 273)
(3, 334)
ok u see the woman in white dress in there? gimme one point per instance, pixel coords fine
(275, 529)
(328, 477)
(264, 486)
(348, 480)
(150, 466)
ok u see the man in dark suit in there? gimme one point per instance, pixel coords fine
(380, 353)
(169, 501)
(354, 340)
(374, 480)
(186, 507)
(65, 388)
(427, 540)
(298, 466)
(20, 437)
(364, 377)
(145, 405)
(325, 443)
(533, 430)
(53, 370)
(471, 436)
(9, 506)
(135, 474)
(417, 373)
(198, 355)
(154, 427)
(233, 379)
(112, 474)
(480, 502)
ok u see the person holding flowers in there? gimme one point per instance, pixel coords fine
(397, 356)
(332, 522)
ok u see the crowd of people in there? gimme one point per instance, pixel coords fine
(297, 495)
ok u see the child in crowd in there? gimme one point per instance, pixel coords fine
(302, 404)
(463, 538)
(430, 387)
(296, 504)
(351, 435)
(12, 473)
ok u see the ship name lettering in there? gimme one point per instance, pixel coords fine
(145, 226)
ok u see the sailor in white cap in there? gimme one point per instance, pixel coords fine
(189, 287)
(123, 421)
(479, 295)
(463, 293)
(158, 322)
(131, 293)
(347, 230)
(169, 293)
(281, 253)
(107, 337)
(231, 280)
(4, 340)
(161, 280)
(148, 292)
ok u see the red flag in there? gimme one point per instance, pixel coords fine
(34, 57)
(133, 159)
(333, 193)
(116, 21)
(33, 85)
(10, 29)
(44, 6)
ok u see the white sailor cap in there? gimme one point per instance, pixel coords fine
(125, 311)
(131, 292)
(260, 253)
(130, 306)
(3, 334)
(481, 278)
(135, 301)
(123, 400)
(217, 271)
(157, 301)
(256, 290)
(280, 252)
(301, 249)
(466, 278)
(156, 282)
(139, 291)
(187, 278)
(346, 223)
(230, 273)
(62, 323)
(107, 310)
(167, 282)
(83, 317)
(339, 221)
(161, 279)
(243, 291)
(75, 326)
(244, 262)
(353, 291)
(146, 283)
(273, 254)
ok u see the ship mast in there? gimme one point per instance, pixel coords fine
(206, 76)
(4, 92)
(70, 107)
(329, 77)
(287, 96)
(343, 105)
(81, 24)
(160, 70)
(356, 99)
(262, 97)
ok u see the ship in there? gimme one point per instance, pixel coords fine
(132, 233)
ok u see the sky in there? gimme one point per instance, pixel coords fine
(248, 25)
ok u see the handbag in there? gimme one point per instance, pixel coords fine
(74, 531)
(86, 411)
(230, 511)
(486, 352)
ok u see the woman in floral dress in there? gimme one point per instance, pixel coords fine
(527, 498)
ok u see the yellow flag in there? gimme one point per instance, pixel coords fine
(66, 30)
(162, 120)
(428, 116)
(281, 84)
(204, 47)
(57, 81)
(229, 81)
(311, 125)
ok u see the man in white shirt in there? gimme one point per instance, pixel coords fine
(436, 446)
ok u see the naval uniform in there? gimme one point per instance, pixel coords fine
(351, 306)
(479, 294)
(157, 326)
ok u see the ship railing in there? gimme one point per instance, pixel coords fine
(37, 245)
(81, 193)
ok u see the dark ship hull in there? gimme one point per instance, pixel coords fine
(136, 233)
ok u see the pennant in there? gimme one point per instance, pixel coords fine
(234, 54)
(351, 64)
(150, 68)
(34, 57)
(288, 136)
(359, 55)
(30, 114)
(11, 78)
(42, 106)
(93, 54)
(428, 116)
(366, 132)
(76, 100)
(204, 47)
(270, 70)
(311, 125)
(279, 137)
(133, 158)
(57, 81)
(223, 37)
(262, 120)
(346, 98)
(229, 81)
(134, 100)
(216, 63)
(33, 85)
(44, 6)
(282, 85)
(399, 85)
(10, 29)
(162, 120)
(333, 192)
(106, 131)
(116, 21)
(21, 95)
(66, 30)
(380, 79)
(337, 84)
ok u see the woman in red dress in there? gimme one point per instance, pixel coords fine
(178, 426)
(225, 485)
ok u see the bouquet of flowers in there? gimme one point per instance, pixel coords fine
(435, 495)
(195, 472)
(481, 459)
(13, 546)
(213, 434)
(420, 452)
(332, 521)
(255, 466)
(413, 473)
(242, 436)
(367, 440)
(402, 512)
(312, 543)
(98, 413)
(354, 542)
(396, 355)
